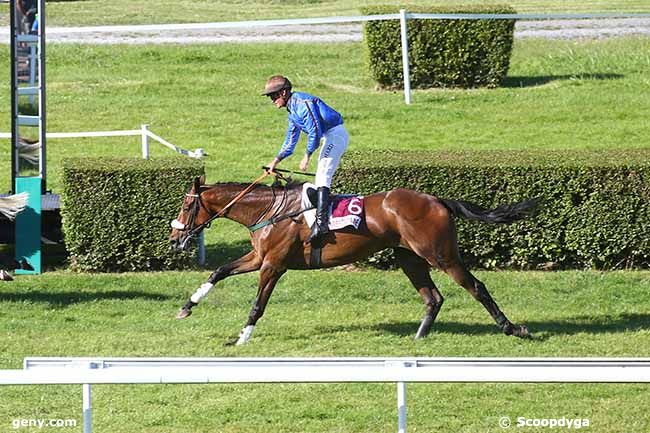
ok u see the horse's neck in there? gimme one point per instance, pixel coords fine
(248, 209)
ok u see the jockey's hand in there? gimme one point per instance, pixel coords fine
(271, 165)
(304, 163)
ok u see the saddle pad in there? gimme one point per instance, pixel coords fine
(344, 211)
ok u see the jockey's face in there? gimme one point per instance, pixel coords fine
(280, 98)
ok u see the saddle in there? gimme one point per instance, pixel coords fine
(345, 210)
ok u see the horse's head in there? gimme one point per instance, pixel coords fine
(191, 218)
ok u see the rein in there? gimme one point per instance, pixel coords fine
(238, 197)
(196, 230)
(275, 218)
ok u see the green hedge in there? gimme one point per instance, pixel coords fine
(442, 53)
(595, 211)
(116, 212)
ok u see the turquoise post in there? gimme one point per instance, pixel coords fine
(28, 225)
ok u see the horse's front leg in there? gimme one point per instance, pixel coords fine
(269, 276)
(248, 263)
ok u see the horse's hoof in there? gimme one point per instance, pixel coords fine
(425, 327)
(183, 313)
(522, 332)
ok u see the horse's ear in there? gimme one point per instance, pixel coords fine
(198, 181)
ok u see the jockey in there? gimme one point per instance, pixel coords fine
(323, 127)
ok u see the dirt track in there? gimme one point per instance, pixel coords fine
(550, 29)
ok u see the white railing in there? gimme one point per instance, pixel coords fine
(143, 132)
(145, 135)
(90, 371)
(139, 28)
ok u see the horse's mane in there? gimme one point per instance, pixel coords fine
(289, 186)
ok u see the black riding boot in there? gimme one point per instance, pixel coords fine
(321, 226)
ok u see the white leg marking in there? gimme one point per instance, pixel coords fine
(245, 334)
(201, 292)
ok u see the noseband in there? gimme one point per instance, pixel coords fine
(190, 228)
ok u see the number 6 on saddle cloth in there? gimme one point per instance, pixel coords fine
(345, 210)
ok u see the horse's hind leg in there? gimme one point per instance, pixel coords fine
(462, 276)
(417, 271)
(437, 244)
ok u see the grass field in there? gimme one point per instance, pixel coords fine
(97, 12)
(324, 313)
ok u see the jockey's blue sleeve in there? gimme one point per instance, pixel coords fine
(290, 140)
(310, 115)
(312, 125)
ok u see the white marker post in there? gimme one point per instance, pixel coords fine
(405, 56)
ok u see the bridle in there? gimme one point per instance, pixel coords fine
(191, 230)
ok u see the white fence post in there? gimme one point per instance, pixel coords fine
(145, 141)
(401, 407)
(405, 56)
(87, 408)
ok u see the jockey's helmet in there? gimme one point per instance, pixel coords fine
(275, 84)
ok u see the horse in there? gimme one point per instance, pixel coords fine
(420, 228)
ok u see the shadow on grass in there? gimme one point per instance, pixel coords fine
(71, 298)
(545, 79)
(579, 325)
(220, 254)
(53, 257)
(594, 325)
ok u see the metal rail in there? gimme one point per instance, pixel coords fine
(91, 371)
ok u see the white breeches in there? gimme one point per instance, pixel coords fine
(333, 145)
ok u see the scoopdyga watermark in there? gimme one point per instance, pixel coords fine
(563, 422)
(41, 423)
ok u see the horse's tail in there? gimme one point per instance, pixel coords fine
(503, 214)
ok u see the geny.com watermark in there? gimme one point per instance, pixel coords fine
(42, 422)
(563, 422)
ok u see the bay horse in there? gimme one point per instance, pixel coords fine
(420, 228)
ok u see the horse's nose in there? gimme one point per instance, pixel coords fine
(174, 244)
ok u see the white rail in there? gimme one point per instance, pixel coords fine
(90, 371)
(139, 28)
(144, 132)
